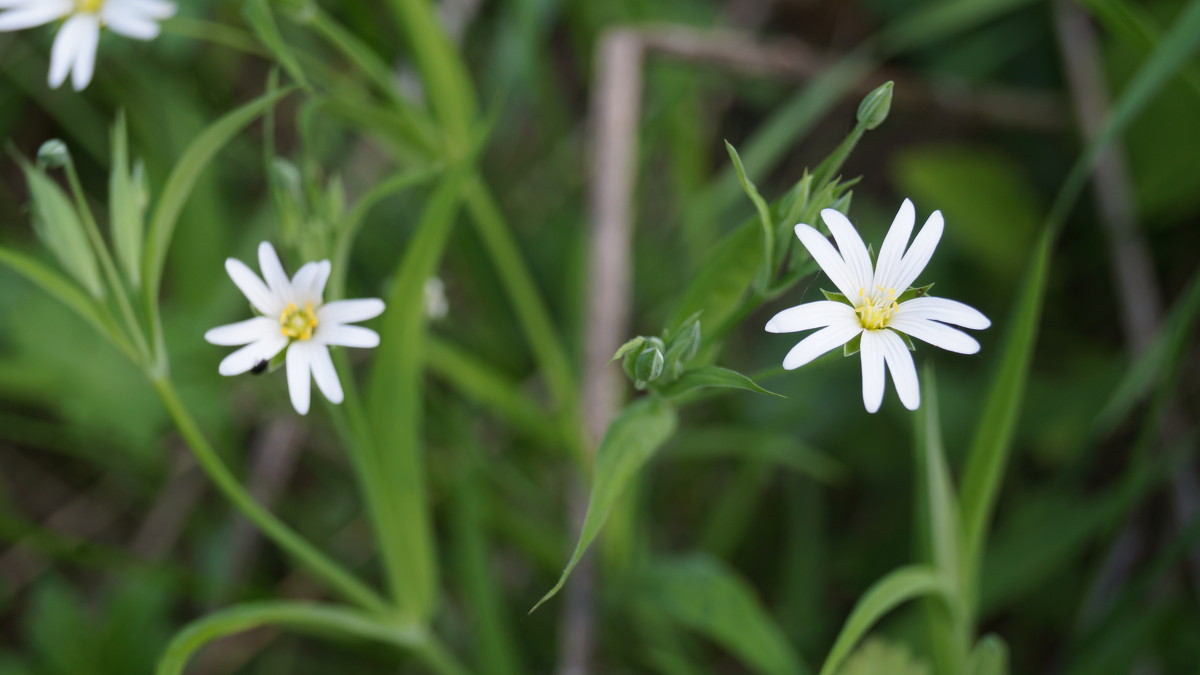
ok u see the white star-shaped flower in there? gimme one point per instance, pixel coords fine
(293, 318)
(873, 309)
(74, 49)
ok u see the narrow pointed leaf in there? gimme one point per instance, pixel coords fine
(714, 376)
(59, 227)
(629, 443)
(126, 213)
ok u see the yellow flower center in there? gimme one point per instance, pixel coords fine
(89, 6)
(296, 323)
(876, 310)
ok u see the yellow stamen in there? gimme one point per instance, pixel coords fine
(875, 312)
(296, 323)
(90, 6)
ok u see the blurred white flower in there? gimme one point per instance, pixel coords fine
(293, 318)
(74, 49)
(436, 304)
(873, 309)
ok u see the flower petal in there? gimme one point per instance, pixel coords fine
(919, 253)
(303, 282)
(944, 310)
(88, 38)
(27, 14)
(243, 332)
(299, 380)
(349, 311)
(253, 288)
(252, 354)
(829, 259)
(900, 365)
(324, 372)
(130, 24)
(871, 352)
(811, 315)
(851, 246)
(892, 252)
(346, 336)
(273, 273)
(936, 334)
(818, 343)
(62, 52)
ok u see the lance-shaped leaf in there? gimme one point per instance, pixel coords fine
(714, 376)
(630, 441)
(59, 227)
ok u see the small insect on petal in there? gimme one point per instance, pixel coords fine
(260, 367)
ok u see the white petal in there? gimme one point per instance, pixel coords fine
(252, 354)
(299, 381)
(811, 315)
(27, 14)
(129, 24)
(818, 343)
(900, 365)
(346, 336)
(150, 9)
(243, 332)
(253, 288)
(892, 252)
(349, 311)
(302, 281)
(871, 352)
(919, 253)
(828, 258)
(945, 310)
(62, 53)
(936, 334)
(851, 246)
(324, 373)
(273, 273)
(309, 282)
(85, 51)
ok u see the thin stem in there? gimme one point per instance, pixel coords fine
(133, 326)
(321, 566)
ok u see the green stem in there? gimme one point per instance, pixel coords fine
(132, 325)
(321, 566)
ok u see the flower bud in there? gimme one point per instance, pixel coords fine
(649, 366)
(53, 154)
(875, 106)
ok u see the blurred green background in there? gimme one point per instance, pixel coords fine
(111, 538)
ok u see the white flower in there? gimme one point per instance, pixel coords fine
(873, 310)
(74, 49)
(293, 318)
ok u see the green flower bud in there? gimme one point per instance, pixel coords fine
(875, 106)
(53, 154)
(649, 366)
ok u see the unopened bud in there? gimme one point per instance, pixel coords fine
(875, 106)
(53, 154)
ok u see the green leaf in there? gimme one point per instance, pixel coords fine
(893, 590)
(764, 216)
(628, 444)
(721, 280)
(127, 208)
(262, 21)
(988, 453)
(394, 406)
(877, 656)
(781, 449)
(323, 620)
(702, 594)
(714, 376)
(58, 226)
(990, 657)
(56, 286)
(183, 178)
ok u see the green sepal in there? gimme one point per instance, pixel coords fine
(914, 292)
(836, 297)
(648, 367)
(907, 340)
(628, 347)
(851, 348)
